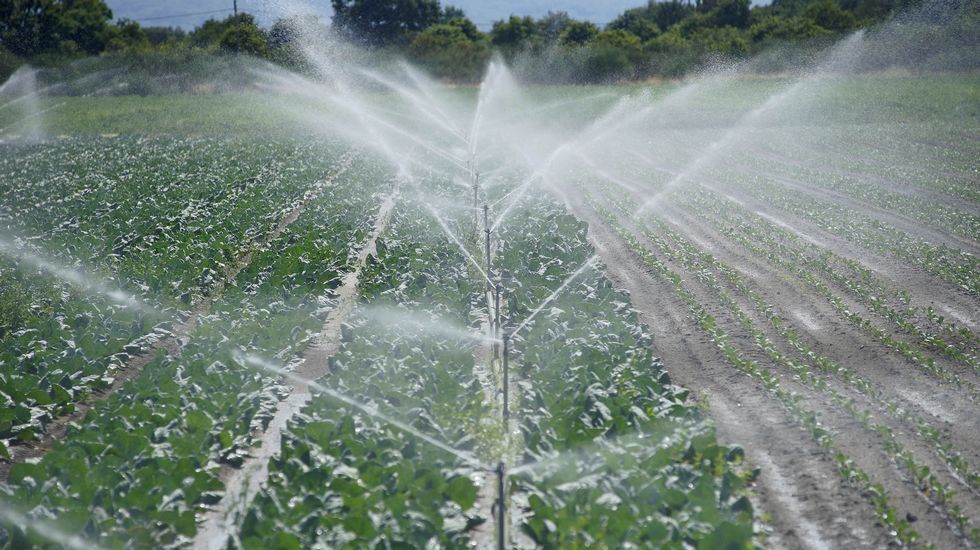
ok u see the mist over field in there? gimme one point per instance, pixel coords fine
(703, 276)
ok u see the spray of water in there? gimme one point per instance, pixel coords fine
(452, 237)
(840, 56)
(397, 317)
(85, 281)
(586, 265)
(664, 435)
(27, 103)
(255, 362)
(44, 529)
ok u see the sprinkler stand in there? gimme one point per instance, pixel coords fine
(496, 320)
(486, 229)
(501, 506)
(506, 376)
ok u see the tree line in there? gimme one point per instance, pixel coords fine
(660, 39)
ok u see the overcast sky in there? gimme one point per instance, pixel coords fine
(191, 13)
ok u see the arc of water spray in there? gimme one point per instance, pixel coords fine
(420, 83)
(72, 276)
(580, 141)
(259, 363)
(438, 117)
(378, 140)
(44, 529)
(453, 238)
(612, 121)
(649, 439)
(523, 188)
(773, 103)
(556, 293)
(30, 116)
(461, 164)
(482, 98)
(396, 317)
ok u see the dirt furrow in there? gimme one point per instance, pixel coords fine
(799, 488)
(893, 445)
(831, 335)
(926, 288)
(897, 220)
(875, 452)
(904, 187)
(242, 484)
(168, 343)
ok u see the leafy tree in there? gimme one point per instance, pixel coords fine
(720, 40)
(636, 21)
(612, 55)
(68, 27)
(553, 24)
(384, 22)
(209, 34)
(619, 39)
(874, 9)
(451, 12)
(669, 42)
(786, 29)
(126, 35)
(25, 26)
(668, 14)
(515, 32)
(605, 64)
(81, 25)
(829, 15)
(789, 8)
(468, 28)
(578, 33)
(246, 38)
(731, 13)
(450, 51)
(164, 35)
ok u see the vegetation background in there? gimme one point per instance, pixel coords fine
(658, 40)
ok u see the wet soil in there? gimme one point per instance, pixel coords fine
(800, 493)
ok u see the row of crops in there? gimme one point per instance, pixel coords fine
(605, 452)
(714, 237)
(134, 249)
(602, 449)
(141, 463)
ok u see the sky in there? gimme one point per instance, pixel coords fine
(191, 13)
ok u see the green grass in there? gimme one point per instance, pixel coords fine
(863, 99)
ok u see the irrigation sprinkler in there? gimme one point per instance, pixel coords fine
(486, 230)
(501, 506)
(476, 188)
(506, 378)
(496, 320)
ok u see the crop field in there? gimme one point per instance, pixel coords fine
(721, 313)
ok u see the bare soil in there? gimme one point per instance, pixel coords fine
(800, 493)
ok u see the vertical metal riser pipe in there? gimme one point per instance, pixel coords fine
(501, 506)
(506, 383)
